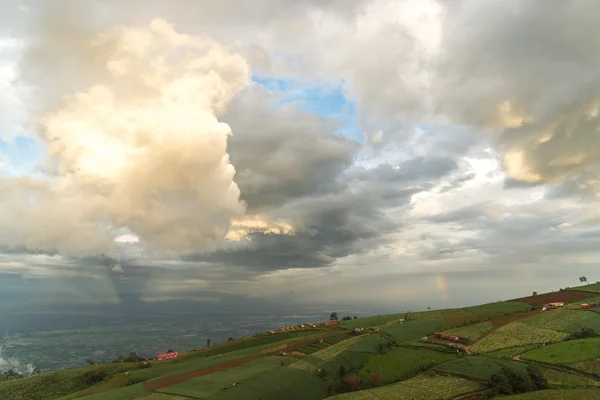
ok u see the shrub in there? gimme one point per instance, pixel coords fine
(352, 382)
(537, 378)
(375, 378)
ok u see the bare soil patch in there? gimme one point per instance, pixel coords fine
(564, 296)
(507, 319)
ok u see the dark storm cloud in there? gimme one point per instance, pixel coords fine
(291, 165)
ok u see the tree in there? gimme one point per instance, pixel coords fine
(230, 339)
(208, 342)
(89, 362)
(36, 371)
(537, 378)
(583, 279)
(342, 371)
(355, 317)
(333, 316)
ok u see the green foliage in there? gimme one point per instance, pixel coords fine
(57, 384)
(403, 363)
(437, 387)
(562, 394)
(474, 332)
(516, 334)
(569, 352)
(594, 288)
(481, 368)
(566, 380)
(564, 320)
(208, 385)
(280, 383)
(511, 352)
(584, 333)
(412, 330)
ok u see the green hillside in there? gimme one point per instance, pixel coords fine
(509, 343)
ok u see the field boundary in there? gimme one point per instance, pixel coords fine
(224, 366)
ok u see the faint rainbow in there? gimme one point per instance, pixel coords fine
(442, 284)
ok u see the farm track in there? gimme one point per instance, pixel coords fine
(174, 379)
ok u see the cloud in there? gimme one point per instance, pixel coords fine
(141, 148)
(531, 75)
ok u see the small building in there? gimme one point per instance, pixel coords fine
(555, 305)
(355, 331)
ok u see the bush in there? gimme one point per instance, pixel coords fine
(520, 382)
(537, 378)
(92, 378)
(584, 333)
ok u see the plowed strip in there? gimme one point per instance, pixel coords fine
(507, 319)
(564, 296)
(172, 380)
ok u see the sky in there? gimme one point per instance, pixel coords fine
(435, 153)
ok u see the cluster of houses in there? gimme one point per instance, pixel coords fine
(585, 306)
(552, 306)
(307, 325)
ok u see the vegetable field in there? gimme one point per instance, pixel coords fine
(569, 352)
(516, 334)
(478, 367)
(412, 330)
(565, 380)
(282, 383)
(403, 363)
(207, 385)
(564, 320)
(593, 288)
(331, 352)
(559, 394)
(437, 387)
(474, 332)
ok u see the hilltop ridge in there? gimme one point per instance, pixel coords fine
(483, 351)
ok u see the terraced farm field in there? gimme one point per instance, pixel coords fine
(512, 351)
(472, 332)
(333, 351)
(564, 320)
(565, 380)
(437, 387)
(569, 352)
(412, 330)
(564, 296)
(208, 385)
(403, 363)
(558, 394)
(516, 334)
(593, 288)
(478, 367)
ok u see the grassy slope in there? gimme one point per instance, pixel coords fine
(564, 320)
(594, 288)
(436, 387)
(560, 394)
(281, 383)
(569, 352)
(412, 330)
(478, 367)
(205, 386)
(516, 334)
(56, 384)
(403, 363)
(474, 332)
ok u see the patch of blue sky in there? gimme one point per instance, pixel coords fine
(328, 101)
(22, 155)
